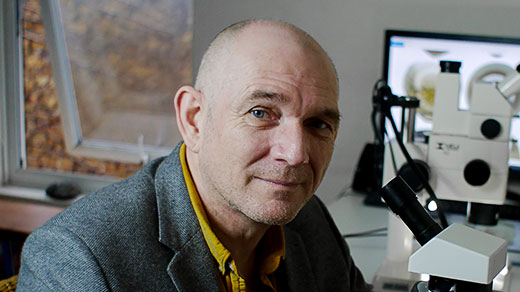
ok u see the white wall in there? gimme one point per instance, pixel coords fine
(351, 31)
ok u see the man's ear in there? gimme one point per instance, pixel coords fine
(188, 109)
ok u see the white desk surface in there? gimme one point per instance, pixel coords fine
(352, 216)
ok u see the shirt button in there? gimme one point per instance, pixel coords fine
(220, 268)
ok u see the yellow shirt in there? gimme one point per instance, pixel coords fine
(271, 249)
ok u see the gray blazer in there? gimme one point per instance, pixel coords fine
(141, 234)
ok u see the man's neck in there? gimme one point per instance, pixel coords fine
(239, 234)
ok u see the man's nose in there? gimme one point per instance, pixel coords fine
(290, 145)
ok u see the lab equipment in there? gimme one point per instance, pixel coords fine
(410, 68)
(457, 258)
(466, 159)
(411, 65)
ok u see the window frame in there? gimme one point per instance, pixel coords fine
(75, 144)
(16, 180)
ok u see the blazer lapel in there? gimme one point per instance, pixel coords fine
(297, 267)
(192, 267)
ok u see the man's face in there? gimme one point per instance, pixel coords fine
(269, 135)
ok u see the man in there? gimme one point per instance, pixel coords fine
(232, 208)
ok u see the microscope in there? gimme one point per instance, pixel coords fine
(465, 158)
(458, 258)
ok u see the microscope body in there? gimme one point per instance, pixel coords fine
(468, 151)
(467, 157)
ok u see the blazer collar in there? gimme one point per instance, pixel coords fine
(297, 267)
(192, 267)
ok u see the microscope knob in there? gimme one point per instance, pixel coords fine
(490, 128)
(411, 178)
(477, 172)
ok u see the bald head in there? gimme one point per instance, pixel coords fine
(260, 125)
(223, 47)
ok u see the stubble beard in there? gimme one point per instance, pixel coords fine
(279, 208)
(277, 211)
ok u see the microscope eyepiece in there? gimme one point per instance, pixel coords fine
(403, 202)
(450, 66)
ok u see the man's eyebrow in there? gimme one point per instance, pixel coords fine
(259, 94)
(333, 115)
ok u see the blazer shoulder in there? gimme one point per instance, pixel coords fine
(54, 258)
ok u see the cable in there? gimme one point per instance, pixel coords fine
(392, 155)
(409, 160)
(367, 233)
(375, 127)
(403, 118)
(383, 99)
(377, 105)
(344, 191)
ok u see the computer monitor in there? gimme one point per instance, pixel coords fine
(411, 62)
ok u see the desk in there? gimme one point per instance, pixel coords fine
(351, 216)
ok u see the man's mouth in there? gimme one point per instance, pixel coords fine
(281, 183)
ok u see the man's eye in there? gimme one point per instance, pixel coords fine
(317, 124)
(261, 117)
(258, 113)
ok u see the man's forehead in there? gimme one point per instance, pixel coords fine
(279, 81)
(280, 49)
(255, 80)
(269, 43)
(269, 54)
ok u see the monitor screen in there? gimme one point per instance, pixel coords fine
(411, 63)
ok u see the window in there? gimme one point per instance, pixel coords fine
(105, 106)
